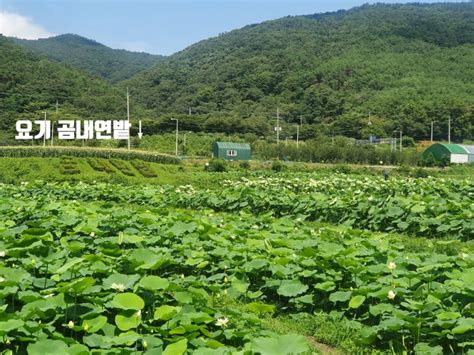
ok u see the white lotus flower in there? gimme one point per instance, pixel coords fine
(391, 295)
(463, 255)
(70, 325)
(2, 254)
(118, 287)
(392, 265)
(2, 279)
(139, 313)
(222, 322)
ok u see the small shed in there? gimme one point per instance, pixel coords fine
(454, 153)
(231, 151)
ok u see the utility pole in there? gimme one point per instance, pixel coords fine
(184, 138)
(401, 140)
(301, 120)
(189, 111)
(52, 133)
(297, 136)
(44, 136)
(177, 132)
(128, 117)
(449, 129)
(278, 126)
(57, 106)
(432, 130)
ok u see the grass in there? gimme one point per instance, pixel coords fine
(326, 333)
(17, 170)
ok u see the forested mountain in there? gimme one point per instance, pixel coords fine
(369, 70)
(93, 57)
(405, 65)
(30, 84)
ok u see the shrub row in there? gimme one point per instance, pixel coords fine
(68, 166)
(25, 151)
(123, 166)
(143, 168)
(100, 165)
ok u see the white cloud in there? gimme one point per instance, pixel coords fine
(14, 25)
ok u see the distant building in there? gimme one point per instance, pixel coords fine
(231, 151)
(453, 153)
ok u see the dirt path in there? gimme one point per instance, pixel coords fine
(322, 348)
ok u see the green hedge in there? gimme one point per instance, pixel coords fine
(20, 152)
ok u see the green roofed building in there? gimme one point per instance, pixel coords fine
(453, 153)
(231, 151)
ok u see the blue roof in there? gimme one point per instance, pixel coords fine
(230, 145)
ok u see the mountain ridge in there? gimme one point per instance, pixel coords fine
(89, 55)
(332, 69)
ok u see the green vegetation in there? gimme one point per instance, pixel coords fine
(419, 207)
(122, 166)
(110, 250)
(95, 58)
(25, 151)
(407, 65)
(403, 65)
(17, 170)
(68, 166)
(30, 84)
(100, 165)
(117, 268)
(143, 168)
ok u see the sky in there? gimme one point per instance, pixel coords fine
(153, 26)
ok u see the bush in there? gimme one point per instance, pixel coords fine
(278, 165)
(404, 170)
(343, 169)
(217, 165)
(421, 173)
(408, 142)
(428, 160)
(244, 165)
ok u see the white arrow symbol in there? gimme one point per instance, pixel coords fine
(140, 134)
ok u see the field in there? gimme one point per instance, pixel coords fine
(121, 257)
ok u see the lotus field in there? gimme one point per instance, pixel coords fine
(104, 268)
